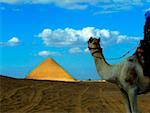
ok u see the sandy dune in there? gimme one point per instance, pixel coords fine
(35, 96)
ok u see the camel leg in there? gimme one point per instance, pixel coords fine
(132, 94)
(126, 100)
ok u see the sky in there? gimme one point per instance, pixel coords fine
(33, 30)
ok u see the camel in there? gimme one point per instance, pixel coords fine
(127, 75)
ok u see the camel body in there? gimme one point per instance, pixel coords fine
(127, 75)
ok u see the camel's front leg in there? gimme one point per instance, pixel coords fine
(132, 94)
(126, 100)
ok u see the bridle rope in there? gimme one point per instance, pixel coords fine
(99, 49)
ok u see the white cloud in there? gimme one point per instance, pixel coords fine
(106, 5)
(48, 53)
(59, 36)
(122, 38)
(67, 4)
(69, 36)
(105, 33)
(75, 50)
(78, 50)
(11, 42)
(44, 53)
(86, 50)
(14, 40)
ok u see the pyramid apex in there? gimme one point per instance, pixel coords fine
(48, 59)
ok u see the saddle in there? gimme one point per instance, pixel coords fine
(143, 56)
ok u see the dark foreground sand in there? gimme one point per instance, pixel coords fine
(35, 96)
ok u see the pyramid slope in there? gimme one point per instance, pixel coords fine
(49, 70)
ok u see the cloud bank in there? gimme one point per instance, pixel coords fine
(70, 36)
(106, 6)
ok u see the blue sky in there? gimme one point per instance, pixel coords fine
(32, 30)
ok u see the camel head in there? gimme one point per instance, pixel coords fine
(94, 45)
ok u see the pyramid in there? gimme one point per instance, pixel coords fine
(49, 70)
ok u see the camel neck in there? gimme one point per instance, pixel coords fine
(102, 67)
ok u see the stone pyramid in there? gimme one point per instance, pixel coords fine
(49, 70)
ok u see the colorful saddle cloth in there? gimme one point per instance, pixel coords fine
(140, 56)
(143, 56)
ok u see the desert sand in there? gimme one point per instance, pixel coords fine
(38, 96)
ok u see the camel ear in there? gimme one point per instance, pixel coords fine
(99, 39)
